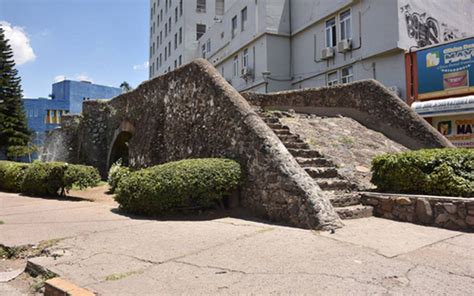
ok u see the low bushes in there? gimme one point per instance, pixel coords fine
(116, 172)
(46, 179)
(435, 171)
(11, 175)
(177, 185)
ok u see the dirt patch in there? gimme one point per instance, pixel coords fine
(97, 194)
(349, 144)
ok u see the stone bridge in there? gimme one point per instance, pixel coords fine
(194, 112)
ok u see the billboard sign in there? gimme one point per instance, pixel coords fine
(458, 129)
(446, 70)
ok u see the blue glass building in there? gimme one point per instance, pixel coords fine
(44, 114)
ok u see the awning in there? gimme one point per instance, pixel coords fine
(444, 107)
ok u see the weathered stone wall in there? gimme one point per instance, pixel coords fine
(194, 112)
(446, 212)
(368, 102)
(63, 144)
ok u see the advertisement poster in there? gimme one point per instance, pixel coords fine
(458, 129)
(446, 70)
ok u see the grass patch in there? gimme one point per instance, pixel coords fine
(119, 276)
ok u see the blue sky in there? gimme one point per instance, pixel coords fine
(105, 41)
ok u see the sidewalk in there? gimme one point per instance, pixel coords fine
(114, 254)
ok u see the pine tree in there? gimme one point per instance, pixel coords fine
(14, 133)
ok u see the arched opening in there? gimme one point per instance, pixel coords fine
(120, 149)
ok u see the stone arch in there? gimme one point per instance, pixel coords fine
(118, 148)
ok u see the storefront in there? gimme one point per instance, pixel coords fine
(440, 83)
(453, 117)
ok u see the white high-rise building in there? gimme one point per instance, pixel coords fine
(272, 45)
(175, 28)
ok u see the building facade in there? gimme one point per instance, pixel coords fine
(44, 114)
(272, 45)
(175, 28)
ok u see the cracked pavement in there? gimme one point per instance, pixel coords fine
(113, 254)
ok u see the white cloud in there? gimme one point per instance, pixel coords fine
(83, 77)
(143, 66)
(59, 78)
(20, 43)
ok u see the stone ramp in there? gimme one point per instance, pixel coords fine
(341, 192)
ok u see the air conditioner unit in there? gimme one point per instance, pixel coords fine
(344, 45)
(327, 53)
(246, 72)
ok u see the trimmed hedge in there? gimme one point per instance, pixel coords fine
(46, 179)
(116, 172)
(178, 185)
(11, 175)
(447, 172)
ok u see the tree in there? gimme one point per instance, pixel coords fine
(125, 87)
(14, 132)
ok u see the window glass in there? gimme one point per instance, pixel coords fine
(243, 15)
(347, 75)
(200, 30)
(332, 78)
(234, 26)
(201, 6)
(331, 32)
(345, 24)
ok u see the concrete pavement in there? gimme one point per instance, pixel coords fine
(114, 254)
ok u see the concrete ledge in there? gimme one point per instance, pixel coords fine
(60, 287)
(455, 213)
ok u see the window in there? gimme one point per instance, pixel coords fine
(169, 24)
(176, 15)
(220, 7)
(180, 60)
(175, 40)
(243, 19)
(200, 30)
(332, 78)
(203, 51)
(166, 53)
(180, 7)
(201, 6)
(175, 64)
(169, 48)
(166, 30)
(180, 35)
(208, 45)
(161, 37)
(236, 66)
(157, 63)
(234, 26)
(161, 60)
(347, 75)
(331, 33)
(245, 58)
(345, 22)
(161, 14)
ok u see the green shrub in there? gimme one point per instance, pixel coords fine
(56, 178)
(176, 185)
(116, 172)
(433, 171)
(80, 176)
(11, 175)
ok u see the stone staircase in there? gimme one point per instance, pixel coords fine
(342, 193)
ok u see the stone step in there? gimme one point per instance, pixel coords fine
(345, 199)
(333, 184)
(296, 145)
(305, 153)
(354, 212)
(322, 172)
(285, 138)
(277, 126)
(271, 120)
(279, 132)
